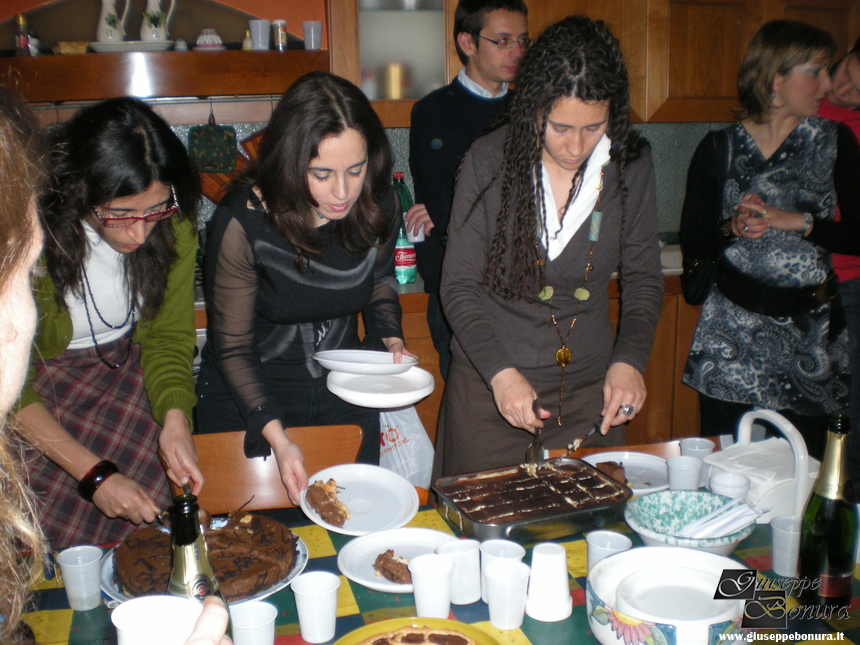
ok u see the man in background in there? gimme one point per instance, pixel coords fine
(842, 103)
(491, 38)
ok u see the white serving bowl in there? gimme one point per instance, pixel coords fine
(657, 516)
(612, 627)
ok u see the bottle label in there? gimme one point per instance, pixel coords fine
(404, 256)
(835, 586)
(192, 575)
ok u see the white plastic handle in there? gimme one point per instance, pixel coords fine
(798, 446)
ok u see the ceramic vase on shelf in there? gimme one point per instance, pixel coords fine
(155, 21)
(111, 27)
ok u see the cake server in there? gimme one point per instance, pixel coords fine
(573, 447)
(534, 454)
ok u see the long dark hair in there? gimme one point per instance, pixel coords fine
(578, 58)
(115, 149)
(317, 106)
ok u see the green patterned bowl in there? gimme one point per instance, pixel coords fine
(657, 516)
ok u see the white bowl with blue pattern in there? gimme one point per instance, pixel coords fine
(656, 518)
(689, 623)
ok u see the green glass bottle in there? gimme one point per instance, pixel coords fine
(192, 575)
(829, 539)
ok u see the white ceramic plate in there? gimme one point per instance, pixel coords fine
(356, 559)
(673, 594)
(382, 391)
(363, 361)
(645, 473)
(132, 46)
(110, 587)
(377, 498)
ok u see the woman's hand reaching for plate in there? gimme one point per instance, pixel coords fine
(397, 347)
(290, 460)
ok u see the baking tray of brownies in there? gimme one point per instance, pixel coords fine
(528, 503)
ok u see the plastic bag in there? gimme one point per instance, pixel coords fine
(405, 447)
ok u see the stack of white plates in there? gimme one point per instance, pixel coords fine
(373, 380)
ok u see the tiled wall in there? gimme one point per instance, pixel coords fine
(672, 146)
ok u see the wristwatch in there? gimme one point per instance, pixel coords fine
(807, 224)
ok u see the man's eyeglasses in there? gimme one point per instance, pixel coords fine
(119, 222)
(507, 43)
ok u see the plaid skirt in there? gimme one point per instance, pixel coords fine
(108, 412)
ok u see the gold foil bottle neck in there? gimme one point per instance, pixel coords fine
(834, 476)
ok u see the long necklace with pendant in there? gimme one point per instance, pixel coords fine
(129, 315)
(563, 355)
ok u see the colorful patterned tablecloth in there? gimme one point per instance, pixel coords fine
(53, 622)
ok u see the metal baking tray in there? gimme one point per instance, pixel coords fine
(553, 523)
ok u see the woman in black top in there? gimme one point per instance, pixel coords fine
(295, 251)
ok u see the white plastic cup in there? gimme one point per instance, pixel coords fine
(602, 544)
(684, 473)
(81, 570)
(312, 32)
(700, 448)
(729, 484)
(166, 620)
(260, 34)
(316, 604)
(431, 584)
(253, 623)
(493, 550)
(507, 581)
(549, 598)
(466, 577)
(413, 237)
(785, 543)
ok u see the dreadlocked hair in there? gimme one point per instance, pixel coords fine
(575, 58)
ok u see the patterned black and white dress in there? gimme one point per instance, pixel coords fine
(791, 363)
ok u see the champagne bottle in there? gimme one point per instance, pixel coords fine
(829, 536)
(192, 575)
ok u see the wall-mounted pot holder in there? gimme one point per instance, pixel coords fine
(212, 147)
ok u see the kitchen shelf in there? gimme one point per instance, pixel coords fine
(94, 77)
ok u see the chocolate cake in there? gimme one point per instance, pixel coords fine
(322, 497)
(614, 469)
(392, 567)
(426, 635)
(531, 492)
(249, 554)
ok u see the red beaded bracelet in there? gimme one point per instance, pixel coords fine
(96, 476)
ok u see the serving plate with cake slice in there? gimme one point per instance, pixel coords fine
(406, 630)
(356, 560)
(253, 557)
(375, 499)
(645, 473)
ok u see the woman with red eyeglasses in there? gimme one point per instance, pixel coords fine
(110, 381)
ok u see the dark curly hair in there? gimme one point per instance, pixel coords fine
(112, 149)
(317, 106)
(577, 58)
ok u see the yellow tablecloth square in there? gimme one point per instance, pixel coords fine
(317, 540)
(430, 519)
(50, 626)
(577, 557)
(505, 637)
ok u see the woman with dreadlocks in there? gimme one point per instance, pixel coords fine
(547, 207)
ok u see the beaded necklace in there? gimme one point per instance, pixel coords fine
(562, 354)
(129, 315)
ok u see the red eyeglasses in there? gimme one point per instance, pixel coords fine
(119, 222)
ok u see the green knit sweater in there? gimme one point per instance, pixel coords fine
(167, 341)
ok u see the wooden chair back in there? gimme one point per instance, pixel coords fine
(232, 479)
